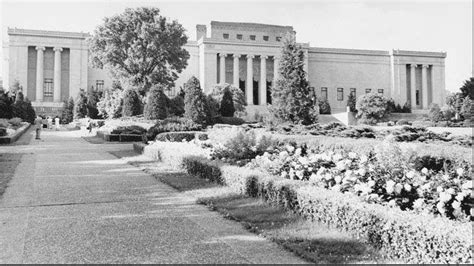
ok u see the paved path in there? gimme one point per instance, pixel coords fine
(71, 201)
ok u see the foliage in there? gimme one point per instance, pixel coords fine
(23, 109)
(196, 107)
(15, 122)
(238, 96)
(157, 104)
(16, 87)
(6, 102)
(80, 105)
(324, 107)
(131, 103)
(110, 105)
(181, 136)
(176, 106)
(351, 102)
(67, 115)
(435, 113)
(371, 108)
(466, 106)
(172, 125)
(467, 89)
(93, 98)
(141, 46)
(129, 130)
(229, 120)
(227, 104)
(291, 99)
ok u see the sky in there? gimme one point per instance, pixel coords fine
(421, 25)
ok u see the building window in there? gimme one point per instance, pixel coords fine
(368, 90)
(324, 93)
(340, 94)
(278, 39)
(265, 38)
(380, 91)
(353, 92)
(48, 88)
(99, 85)
(252, 37)
(239, 36)
(226, 35)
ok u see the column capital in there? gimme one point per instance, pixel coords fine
(250, 56)
(262, 57)
(58, 49)
(425, 66)
(222, 55)
(413, 65)
(42, 48)
(236, 55)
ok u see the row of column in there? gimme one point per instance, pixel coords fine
(249, 85)
(40, 73)
(424, 86)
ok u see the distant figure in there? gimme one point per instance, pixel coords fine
(56, 123)
(50, 122)
(89, 125)
(38, 125)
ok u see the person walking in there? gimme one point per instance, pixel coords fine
(89, 125)
(38, 126)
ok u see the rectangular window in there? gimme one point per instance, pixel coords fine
(226, 35)
(265, 38)
(340, 94)
(48, 88)
(368, 90)
(99, 85)
(278, 39)
(380, 91)
(239, 36)
(353, 92)
(252, 37)
(324, 93)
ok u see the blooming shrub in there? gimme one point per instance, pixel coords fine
(371, 108)
(171, 125)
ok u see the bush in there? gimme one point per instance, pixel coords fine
(15, 122)
(435, 114)
(156, 106)
(181, 136)
(324, 107)
(371, 108)
(93, 98)
(3, 131)
(129, 130)
(466, 109)
(80, 105)
(6, 103)
(351, 102)
(172, 125)
(176, 106)
(110, 104)
(238, 96)
(67, 115)
(402, 122)
(196, 107)
(23, 109)
(131, 103)
(236, 121)
(227, 105)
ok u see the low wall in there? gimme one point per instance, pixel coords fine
(18, 133)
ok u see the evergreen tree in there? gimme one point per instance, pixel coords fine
(291, 99)
(5, 105)
(131, 103)
(67, 114)
(227, 105)
(176, 105)
(156, 106)
(467, 89)
(195, 103)
(80, 108)
(93, 98)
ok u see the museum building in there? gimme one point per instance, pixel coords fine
(52, 66)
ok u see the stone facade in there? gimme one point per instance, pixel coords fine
(243, 54)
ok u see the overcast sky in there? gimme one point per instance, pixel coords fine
(381, 25)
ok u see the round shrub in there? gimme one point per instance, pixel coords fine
(227, 105)
(435, 113)
(131, 103)
(196, 105)
(156, 105)
(371, 108)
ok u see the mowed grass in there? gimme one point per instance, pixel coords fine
(8, 165)
(313, 241)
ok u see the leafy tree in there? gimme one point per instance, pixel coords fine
(371, 108)
(156, 105)
(131, 103)
(110, 104)
(238, 96)
(141, 46)
(80, 107)
(93, 98)
(67, 114)
(291, 99)
(196, 105)
(227, 105)
(467, 89)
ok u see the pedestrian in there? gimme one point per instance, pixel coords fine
(89, 125)
(38, 125)
(56, 122)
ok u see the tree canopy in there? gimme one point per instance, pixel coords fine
(140, 46)
(467, 90)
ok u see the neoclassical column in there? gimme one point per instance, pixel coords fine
(263, 80)
(39, 72)
(249, 87)
(413, 86)
(222, 68)
(276, 67)
(236, 70)
(57, 74)
(424, 86)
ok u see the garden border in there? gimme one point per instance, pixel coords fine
(18, 133)
(119, 137)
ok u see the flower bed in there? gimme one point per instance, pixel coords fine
(181, 136)
(12, 129)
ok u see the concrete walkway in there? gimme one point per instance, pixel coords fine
(72, 202)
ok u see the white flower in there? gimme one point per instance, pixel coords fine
(300, 174)
(390, 186)
(467, 185)
(418, 203)
(313, 177)
(266, 154)
(392, 203)
(363, 159)
(451, 191)
(352, 155)
(460, 171)
(446, 177)
(444, 197)
(440, 207)
(361, 172)
(338, 179)
(340, 165)
(337, 157)
(336, 188)
(292, 173)
(284, 174)
(328, 176)
(426, 186)
(456, 205)
(298, 151)
(371, 183)
(407, 187)
(411, 174)
(460, 196)
(290, 148)
(303, 160)
(439, 189)
(424, 171)
(398, 188)
(283, 154)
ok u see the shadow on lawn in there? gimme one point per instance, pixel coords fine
(312, 241)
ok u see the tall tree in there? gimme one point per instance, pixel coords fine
(140, 46)
(196, 105)
(291, 99)
(467, 89)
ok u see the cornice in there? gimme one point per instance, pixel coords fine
(46, 33)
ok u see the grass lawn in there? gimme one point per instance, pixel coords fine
(8, 164)
(310, 240)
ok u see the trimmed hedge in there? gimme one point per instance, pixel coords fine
(400, 234)
(180, 136)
